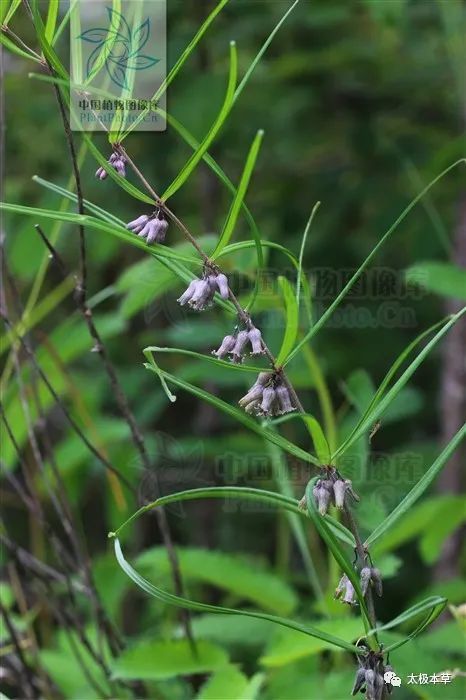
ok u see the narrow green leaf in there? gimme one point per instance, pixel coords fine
(339, 298)
(204, 607)
(205, 358)
(11, 46)
(46, 45)
(384, 384)
(51, 21)
(435, 605)
(98, 211)
(301, 252)
(180, 62)
(319, 440)
(240, 194)
(292, 320)
(261, 52)
(196, 157)
(419, 488)
(381, 406)
(8, 10)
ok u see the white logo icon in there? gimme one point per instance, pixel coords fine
(392, 679)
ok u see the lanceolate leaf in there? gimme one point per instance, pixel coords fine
(196, 157)
(419, 488)
(380, 407)
(292, 320)
(239, 196)
(434, 606)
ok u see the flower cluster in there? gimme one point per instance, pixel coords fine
(235, 345)
(332, 491)
(268, 397)
(152, 228)
(200, 293)
(118, 163)
(370, 677)
(368, 576)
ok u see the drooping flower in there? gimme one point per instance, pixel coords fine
(284, 399)
(345, 591)
(118, 163)
(228, 343)
(255, 338)
(221, 282)
(237, 351)
(322, 492)
(267, 406)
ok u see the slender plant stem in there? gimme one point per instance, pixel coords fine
(246, 319)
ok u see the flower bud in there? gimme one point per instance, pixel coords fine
(268, 400)
(138, 224)
(371, 690)
(376, 579)
(222, 285)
